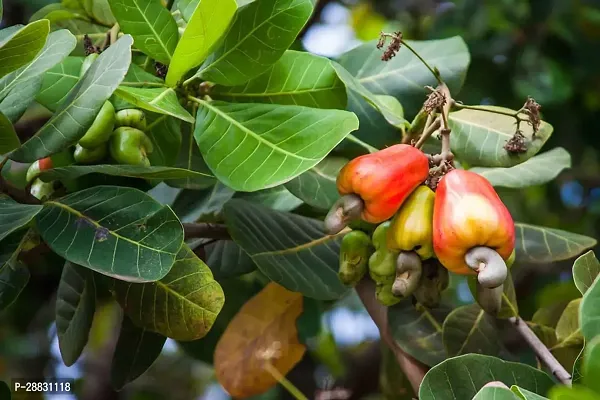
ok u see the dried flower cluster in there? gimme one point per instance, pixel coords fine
(89, 46)
(532, 109)
(435, 101)
(516, 144)
(393, 47)
(161, 70)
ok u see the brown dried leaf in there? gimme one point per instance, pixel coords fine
(263, 331)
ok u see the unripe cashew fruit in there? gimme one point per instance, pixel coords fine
(41, 190)
(130, 146)
(131, 117)
(101, 128)
(89, 156)
(354, 257)
(474, 232)
(38, 166)
(434, 280)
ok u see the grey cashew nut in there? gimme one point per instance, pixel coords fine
(343, 211)
(490, 300)
(408, 274)
(490, 267)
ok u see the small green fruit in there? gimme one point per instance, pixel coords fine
(131, 117)
(89, 156)
(130, 146)
(101, 129)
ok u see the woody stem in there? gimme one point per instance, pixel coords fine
(430, 127)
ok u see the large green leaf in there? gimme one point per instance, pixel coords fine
(194, 205)
(132, 171)
(568, 330)
(21, 47)
(525, 394)
(160, 100)
(291, 250)
(14, 105)
(317, 186)
(460, 378)
(189, 158)
(478, 137)
(14, 275)
(78, 111)
(226, 259)
(256, 146)
(418, 330)
(119, 232)
(276, 198)
(151, 25)
(589, 312)
(136, 351)
(207, 25)
(535, 171)
(591, 364)
(495, 393)
(75, 307)
(58, 45)
(100, 11)
(537, 244)
(8, 137)
(585, 270)
(58, 81)
(297, 78)
(183, 305)
(261, 32)
(165, 133)
(468, 329)
(404, 76)
(14, 216)
(55, 12)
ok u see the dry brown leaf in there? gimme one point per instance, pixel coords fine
(263, 331)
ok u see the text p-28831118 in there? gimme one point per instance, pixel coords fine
(47, 386)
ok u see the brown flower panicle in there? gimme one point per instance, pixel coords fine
(393, 47)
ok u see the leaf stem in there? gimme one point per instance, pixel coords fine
(542, 352)
(367, 146)
(515, 114)
(434, 72)
(283, 381)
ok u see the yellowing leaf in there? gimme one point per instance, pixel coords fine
(261, 336)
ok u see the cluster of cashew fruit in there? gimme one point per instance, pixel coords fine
(120, 134)
(463, 227)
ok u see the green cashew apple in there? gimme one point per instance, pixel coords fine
(130, 146)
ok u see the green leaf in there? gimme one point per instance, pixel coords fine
(207, 25)
(14, 216)
(291, 250)
(119, 232)
(568, 331)
(495, 393)
(136, 351)
(165, 133)
(589, 312)
(585, 270)
(58, 81)
(317, 186)
(226, 259)
(418, 330)
(14, 275)
(206, 204)
(75, 307)
(478, 137)
(159, 100)
(189, 158)
(137, 77)
(261, 32)
(297, 78)
(573, 393)
(526, 394)
(537, 244)
(468, 329)
(22, 47)
(20, 98)
(591, 364)
(404, 76)
(131, 171)
(255, 146)
(153, 28)
(577, 375)
(276, 198)
(183, 305)
(237, 292)
(78, 111)
(58, 45)
(8, 137)
(100, 11)
(461, 377)
(55, 12)
(537, 170)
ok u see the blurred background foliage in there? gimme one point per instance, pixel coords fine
(548, 49)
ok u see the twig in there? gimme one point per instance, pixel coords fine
(428, 131)
(206, 230)
(114, 33)
(412, 368)
(515, 115)
(542, 352)
(446, 152)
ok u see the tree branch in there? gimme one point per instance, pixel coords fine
(206, 230)
(412, 368)
(541, 350)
